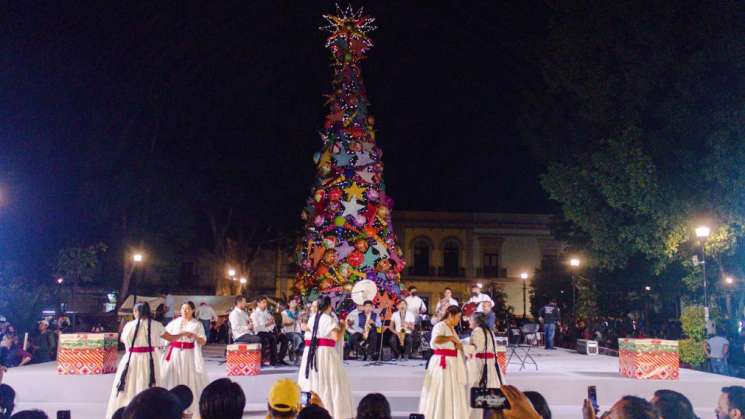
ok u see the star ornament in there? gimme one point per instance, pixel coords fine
(349, 21)
(351, 207)
(354, 191)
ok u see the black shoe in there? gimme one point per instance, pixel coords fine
(283, 363)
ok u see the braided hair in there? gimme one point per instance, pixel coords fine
(323, 304)
(481, 323)
(143, 312)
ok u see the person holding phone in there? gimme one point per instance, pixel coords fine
(321, 369)
(184, 362)
(482, 367)
(444, 391)
(139, 368)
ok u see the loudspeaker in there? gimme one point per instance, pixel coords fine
(387, 354)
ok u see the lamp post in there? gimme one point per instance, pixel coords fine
(574, 264)
(137, 259)
(524, 277)
(702, 232)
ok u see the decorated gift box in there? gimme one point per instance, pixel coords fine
(87, 353)
(648, 359)
(244, 359)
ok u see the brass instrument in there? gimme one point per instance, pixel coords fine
(402, 337)
(366, 332)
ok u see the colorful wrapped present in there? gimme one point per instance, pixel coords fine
(244, 359)
(502, 358)
(87, 353)
(648, 359)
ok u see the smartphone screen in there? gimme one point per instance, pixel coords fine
(305, 398)
(63, 414)
(592, 396)
(416, 416)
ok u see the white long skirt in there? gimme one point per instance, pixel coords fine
(181, 369)
(475, 367)
(329, 382)
(138, 379)
(444, 390)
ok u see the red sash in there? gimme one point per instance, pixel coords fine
(487, 355)
(329, 343)
(444, 353)
(141, 349)
(180, 345)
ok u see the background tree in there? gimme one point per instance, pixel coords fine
(79, 265)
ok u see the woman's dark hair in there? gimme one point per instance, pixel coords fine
(191, 304)
(539, 403)
(323, 304)
(30, 414)
(143, 312)
(154, 403)
(313, 412)
(450, 311)
(374, 406)
(222, 399)
(7, 401)
(480, 319)
(481, 323)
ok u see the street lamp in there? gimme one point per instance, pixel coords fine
(243, 280)
(574, 264)
(524, 277)
(231, 273)
(60, 280)
(137, 257)
(647, 288)
(702, 232)
(729, 280)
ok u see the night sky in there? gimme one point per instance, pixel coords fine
(444, 79)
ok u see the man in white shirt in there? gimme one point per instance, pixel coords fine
(401, 321)
(264, 326)
(370, 318)
(240, 323)
(446, 301)
(717, 350)
(415, 305)
(478, 298)
(352, 327)
(206, 314)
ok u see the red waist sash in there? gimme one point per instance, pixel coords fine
(180, 345)
(487, 355)
(329, 343)
(444, 353)
(141, 349)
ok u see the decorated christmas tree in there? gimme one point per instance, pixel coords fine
(348, 233)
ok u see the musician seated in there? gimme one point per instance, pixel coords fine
(240, 323)
(351, 320)
(491, 318)
(366, 332)
(400, 335)
(273, 344)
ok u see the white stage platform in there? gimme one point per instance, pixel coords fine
(563, 377)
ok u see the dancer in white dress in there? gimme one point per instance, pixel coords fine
(139, 368)
(444, 390)
(321, 370)
(184, 363)
(482, 363)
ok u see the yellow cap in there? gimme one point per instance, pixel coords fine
(284, 396)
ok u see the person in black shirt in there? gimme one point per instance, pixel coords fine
(550, 315)
(44, 345)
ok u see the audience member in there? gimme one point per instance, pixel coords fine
(539, 403)
(314, 412)
(374, 406)
(183, 394)
(119, 414)
(629, 407)
(671, 404)
(731, 403)
(717, 350)
(30, 414)
(154, 403)
(284, 400)
(222, 399)
(7, 401)
(43, 344)
(206, 315)
(11, 353)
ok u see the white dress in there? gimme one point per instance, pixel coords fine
(138, 374)
(330, 381)
(186, 366)
(475, 366)
(444, 390)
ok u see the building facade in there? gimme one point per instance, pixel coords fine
(457, 250)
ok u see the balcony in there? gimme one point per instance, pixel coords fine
(432, 271)
(491, 272)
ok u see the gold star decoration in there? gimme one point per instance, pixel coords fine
(350, 21)
(354, 191)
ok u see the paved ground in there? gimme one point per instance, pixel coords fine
(562, 377)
